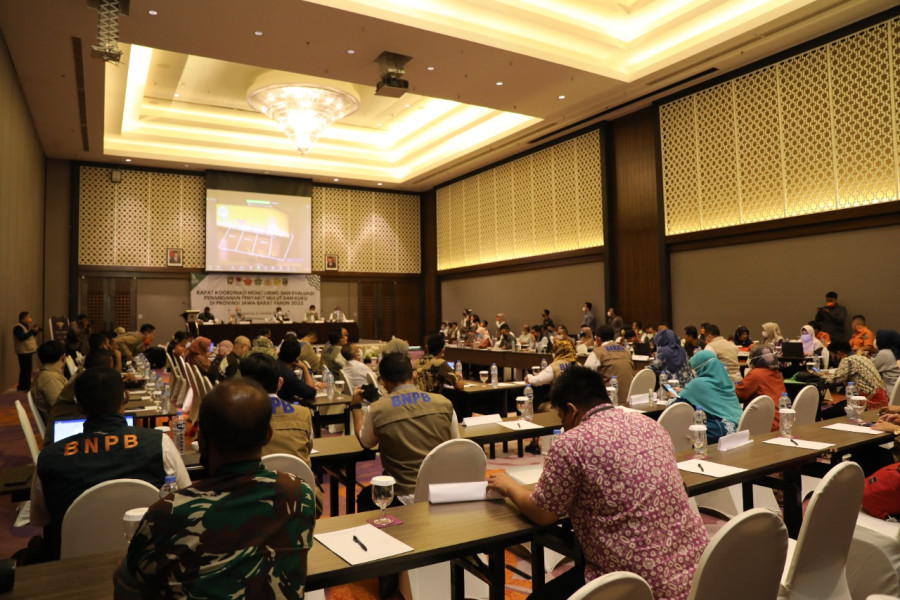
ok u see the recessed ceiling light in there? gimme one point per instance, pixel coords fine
(351, 51)
(187, 165)
(562, 96)
(176, 95)
(152, 12)
(406, 105)
(257, 33)
(336, 179)
(499, 83)
(127, 160)
(429, 68)
(379, 183)
(379, 125)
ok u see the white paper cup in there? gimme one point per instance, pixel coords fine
(131, 520)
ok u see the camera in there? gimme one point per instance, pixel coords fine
(370, 392)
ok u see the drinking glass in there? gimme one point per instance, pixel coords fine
(698, 440)
(859, 404)
(786, 418)
(483, 375)
(339, 386)
(382, 495)
(535, 370)
(521, 404)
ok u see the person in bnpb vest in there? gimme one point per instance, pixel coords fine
(107, 449)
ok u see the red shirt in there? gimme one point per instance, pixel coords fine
(758, 382)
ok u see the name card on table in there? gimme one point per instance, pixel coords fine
(734, 440)
(468, 491)
(482, 420)
(640, 357)
(794, 443)
(708, 468)
(362, 544)
(853, 428)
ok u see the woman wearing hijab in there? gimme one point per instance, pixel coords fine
(196, 354)
(671, 357)
(762, 379)
(563, 358)
(811, 345)
(712, 390)
(887, 360)
(222, 350)
(771, 335)
(742, 337)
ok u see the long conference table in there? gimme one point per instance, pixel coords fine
(229, 331)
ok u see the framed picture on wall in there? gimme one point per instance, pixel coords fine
(174, 257)
(331, 262)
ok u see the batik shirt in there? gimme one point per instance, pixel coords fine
(243, 533)
(615, 476)
(433, 373)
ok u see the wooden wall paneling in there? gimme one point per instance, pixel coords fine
(430, 301)
(408, 304)
(635, 253)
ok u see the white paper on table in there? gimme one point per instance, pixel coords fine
(710, 469)
(482, 420)
(526, 475)
(467, 491)
(734, 440)
(853, 428)
(465, 385)
(509, 384)
(313, 451)
(378, 544)
(517, 425)
(639, 399)
(626, 409)
(322, 394)
(640, 357)
(809, 445)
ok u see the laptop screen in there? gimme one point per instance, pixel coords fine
(69, 427)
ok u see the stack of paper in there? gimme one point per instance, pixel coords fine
(481, 420)
(710, 469)
(853, 428)
(362, 544)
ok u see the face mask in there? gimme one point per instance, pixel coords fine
(830, 303)
(764, 334)
(609, 314)
(806, 337)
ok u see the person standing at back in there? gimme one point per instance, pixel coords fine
(25, 345)
(615, 321)
(832, 318)
(588, 320)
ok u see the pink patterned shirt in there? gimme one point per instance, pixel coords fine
(615, 476)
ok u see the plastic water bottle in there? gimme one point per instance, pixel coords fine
(168, 487)
(698, 433)
(784, 401)
(850, 389)
(328, 378)
(528, 415)
(663, 379)
(179, 426)
(786, 415)
(494, 376)
(614, 383)
(543, 364)
(459, 369)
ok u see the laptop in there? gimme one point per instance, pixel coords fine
(642, 349)
(68, 427)
(792, 350)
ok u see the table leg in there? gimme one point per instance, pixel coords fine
(521, 450)
(497, 574)
(747, 495)
(793, 489)
(537, 564)
(350, 475)
(333, 495)
(457, 581)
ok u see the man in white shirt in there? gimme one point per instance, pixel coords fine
(726, 351)
(356, 372)
(337, 316)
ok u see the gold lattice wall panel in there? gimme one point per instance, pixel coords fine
(132, 223)
(546, 202)
(374, 232)
(815, 132)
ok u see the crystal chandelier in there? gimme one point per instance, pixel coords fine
(304, 111)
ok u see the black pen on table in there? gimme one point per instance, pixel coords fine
(361, 545)
(700, 466)
(794, 442)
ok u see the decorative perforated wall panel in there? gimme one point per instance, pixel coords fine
(130, 224)
(374, 232)
(812, 133)
(546, 202)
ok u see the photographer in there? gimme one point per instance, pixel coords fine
(25, 345)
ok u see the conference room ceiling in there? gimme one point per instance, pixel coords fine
(178, 98)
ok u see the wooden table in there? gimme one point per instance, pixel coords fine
(497, 398)
(437, 533)
(337, 456)
(503, 358)
(16, 481)
(493, 433)
(342, 418)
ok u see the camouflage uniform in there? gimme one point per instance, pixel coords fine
(263, 345)
(243, 533)
(433, 373)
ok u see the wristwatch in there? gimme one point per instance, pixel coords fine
(356, 407)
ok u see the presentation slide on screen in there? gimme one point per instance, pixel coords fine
(251, 232)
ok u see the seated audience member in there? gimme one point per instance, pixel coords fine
(108, 449)
(541, 341)
(820, 335)
(505, 339)
(742, 338)
(861, 371)
(863, 339)
(263, 343)
(452, 333)
(562, 333)
(50, 380)
(331, 352)
(691, 340)
(651, 334)
(670, 357)
(405, 425)
(601, 472)
(308, 352)
(563, 358)
(230, 365)
(483, 336)
(585, 342)
(771, 336)
(395, 346)
(811, 345)
(106, 341)
(884, 361)
(611, 358)
(642, 336)
(526, 340)
(243, 531)
(78, 336)
(724, 350)
(712, 390)
(65, 406)
(293, 387)
(197, 353)
(312, 314)
(177, 345)
(206, 316)
(763, 377)
(135, 342)
(432, 371)
(224, 348)
(355, 371)
(500, 322)
(888, 339)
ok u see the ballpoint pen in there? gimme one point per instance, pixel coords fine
(361, 545)
(794, 442)
(699, 466)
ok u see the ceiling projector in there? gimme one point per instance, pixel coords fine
(391, 85)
